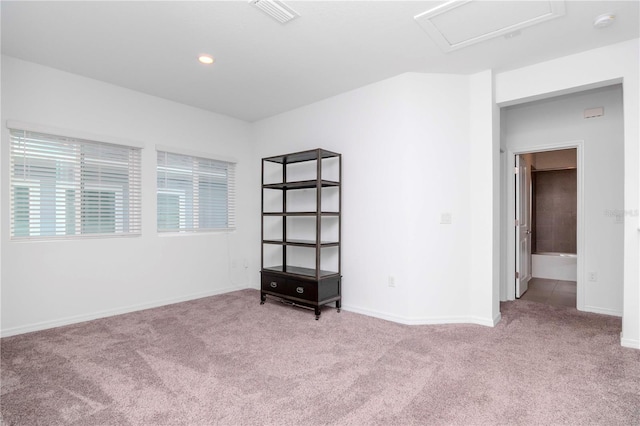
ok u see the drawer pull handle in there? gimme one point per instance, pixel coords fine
(300, 290)
(274, 284)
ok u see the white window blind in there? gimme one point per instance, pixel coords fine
(194, 193)
(67, 187)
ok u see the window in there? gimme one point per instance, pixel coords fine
(63, 187)
(194, 193)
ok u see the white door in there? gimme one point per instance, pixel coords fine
(523, 224)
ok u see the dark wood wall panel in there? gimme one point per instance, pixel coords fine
(554, 214)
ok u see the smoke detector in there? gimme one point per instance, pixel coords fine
(277, 9)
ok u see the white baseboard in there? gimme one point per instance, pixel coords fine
(422, 320)
(44, 325)
(496, 319)
(604, 311)
(629, 343)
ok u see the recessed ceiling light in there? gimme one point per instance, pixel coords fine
(206, 59)
(604, 20)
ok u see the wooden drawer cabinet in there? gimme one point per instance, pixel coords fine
(305, 292)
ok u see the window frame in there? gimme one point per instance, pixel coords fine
(190, 197)
(62, 220)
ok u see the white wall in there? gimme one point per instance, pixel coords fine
(45, 284)
(597, 68)
(561, 120)
(484, 174)
(405, 145)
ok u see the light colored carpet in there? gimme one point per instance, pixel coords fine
(226, 360)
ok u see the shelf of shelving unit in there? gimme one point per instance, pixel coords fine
(312, 287)
(304, 184)
(302, 243)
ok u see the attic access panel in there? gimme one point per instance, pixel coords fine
(457, 24)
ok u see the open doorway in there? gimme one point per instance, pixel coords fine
(591, 122)
(547, 211)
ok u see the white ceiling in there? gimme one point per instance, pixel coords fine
(263, 67)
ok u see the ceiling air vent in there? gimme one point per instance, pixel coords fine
(457, 24)
(277, 9)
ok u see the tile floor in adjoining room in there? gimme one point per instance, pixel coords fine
(551, 292)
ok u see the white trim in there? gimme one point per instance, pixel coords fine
(207, 155)
(580, 240)
(567, 91)
(163, 234)
(76, 134)
(422, 320)
(629, 343)
(111, 312)
(603, 311)
(75, 237)
(504, 218)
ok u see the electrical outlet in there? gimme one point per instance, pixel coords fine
(392, 281)
(593, 276)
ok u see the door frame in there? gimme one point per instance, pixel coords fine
(510, 289)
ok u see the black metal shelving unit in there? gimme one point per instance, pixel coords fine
(306, 286)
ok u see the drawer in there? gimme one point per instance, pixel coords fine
(274, 283)
(307, 290)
